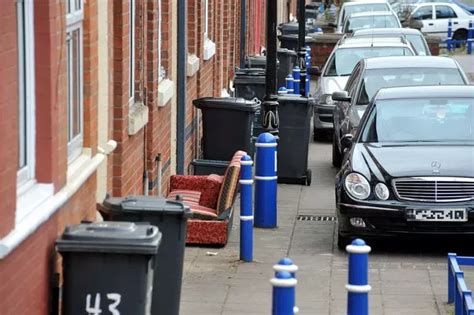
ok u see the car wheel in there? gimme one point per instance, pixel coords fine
(460, 35)
(318, 134)
(336, 155)
(342, 241)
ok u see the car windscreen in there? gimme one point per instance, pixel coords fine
(364, 7)
(375, 79)
(374, 21)
(420, 120)
(344, 60)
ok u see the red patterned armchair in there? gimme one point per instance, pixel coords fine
(211, 199)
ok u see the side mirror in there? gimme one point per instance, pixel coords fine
(341, 96)
(346, 142)
(314, 71)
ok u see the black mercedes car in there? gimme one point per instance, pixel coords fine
(409, 169)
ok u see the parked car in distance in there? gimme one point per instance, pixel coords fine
(372, 74)
(409, 169)
(433, 19)
(349, 8)
(414, 36)
(333, 77)
(368, 20)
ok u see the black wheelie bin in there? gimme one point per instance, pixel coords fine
(171, 218)
(109, 267)
(295, 113)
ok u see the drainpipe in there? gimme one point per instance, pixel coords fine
(181, 85)
(270, 101)
(243, 31)
(301, 44)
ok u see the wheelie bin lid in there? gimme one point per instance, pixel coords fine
(296, 98)
(294, 37)
(232, 103)
(110, 237)
(286, 51)
(146, 204)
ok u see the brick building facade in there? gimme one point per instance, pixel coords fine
(88, 104)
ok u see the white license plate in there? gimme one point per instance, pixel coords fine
(437, 215)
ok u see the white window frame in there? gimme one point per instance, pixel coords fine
(131, 77)
(26, 96)
(161, 72)
(209, 45)
(74, 21)
(206, 19)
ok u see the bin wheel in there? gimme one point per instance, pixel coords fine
(308, 177)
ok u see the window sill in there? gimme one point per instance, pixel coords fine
(46, 204)
(192, 66)
(165, 92)
(209, 49)
(30, 199)
(137, 118)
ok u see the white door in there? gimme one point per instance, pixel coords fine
(443, 13)
(425, 15)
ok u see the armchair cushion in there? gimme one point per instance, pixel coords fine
(209, 188)
(229, 186)
(203, 213)
(189, 196)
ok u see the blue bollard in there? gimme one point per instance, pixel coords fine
(470, 38)
(358, 287)
(266, 181)
(450, 34)
(296, 80)
(286, 264)
(246, 213)
(289, 84)
(283, 293)
(282, 91)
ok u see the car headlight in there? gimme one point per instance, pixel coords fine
(381, 191)
(326, 99)
(357, 186)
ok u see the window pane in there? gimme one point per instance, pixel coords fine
(77, 4)
(132, 48)
(424, 13)
(76, 93)
(74, 84)
(444, 12)
(22, 88)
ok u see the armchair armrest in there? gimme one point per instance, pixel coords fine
(209, 188)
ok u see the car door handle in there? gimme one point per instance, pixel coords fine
(455, 23)
(430, 24)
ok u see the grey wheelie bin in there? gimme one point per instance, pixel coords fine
(171, 218)
(295, 113)
(108, 267)
(227, 124)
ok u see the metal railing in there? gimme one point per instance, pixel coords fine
(458, 293)
(451, 43)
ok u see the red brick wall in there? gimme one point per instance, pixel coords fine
(8, 126)
(26, 272)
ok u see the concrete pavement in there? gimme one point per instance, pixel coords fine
(406, 277)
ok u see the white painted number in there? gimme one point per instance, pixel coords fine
(115, 297)
(95, 310)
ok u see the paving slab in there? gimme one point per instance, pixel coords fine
(407, 277)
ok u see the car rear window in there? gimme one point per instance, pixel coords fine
(376, 79)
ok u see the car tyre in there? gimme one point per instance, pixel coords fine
(336, 155)
(342, 241)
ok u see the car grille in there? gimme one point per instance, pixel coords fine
(434, 189)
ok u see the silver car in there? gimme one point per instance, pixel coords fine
(333, 77)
